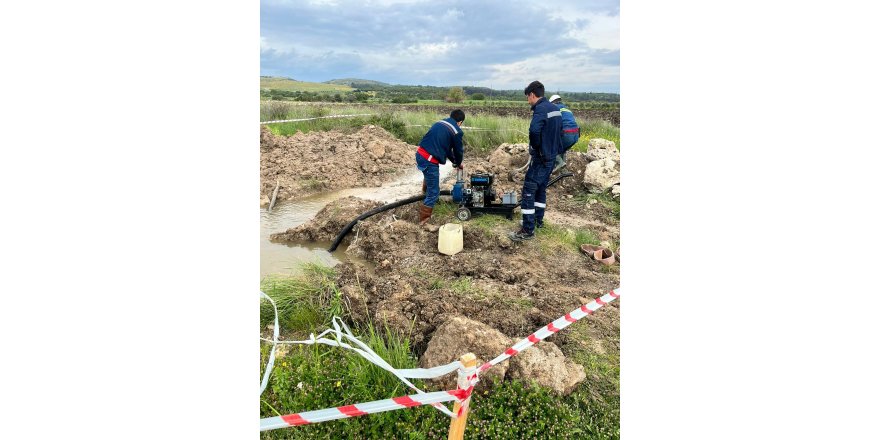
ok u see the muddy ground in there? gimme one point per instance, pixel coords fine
(308, 163)
(513, 287)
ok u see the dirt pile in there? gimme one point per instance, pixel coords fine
(306, 163)
(328, 221)
(414, 289)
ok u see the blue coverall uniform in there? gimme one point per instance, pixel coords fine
(443, 140)
(545, 142)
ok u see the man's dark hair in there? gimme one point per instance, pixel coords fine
(457, 115)
(535, 87)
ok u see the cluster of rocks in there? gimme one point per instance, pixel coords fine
(598, 168)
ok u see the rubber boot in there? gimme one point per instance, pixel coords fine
(560, 163)
(425, 213)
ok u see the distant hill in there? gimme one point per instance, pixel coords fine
(351, 81)
(357, 89)
(292, 85)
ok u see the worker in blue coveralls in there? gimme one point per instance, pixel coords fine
(570, 131)
(443, 140)
(545, 142)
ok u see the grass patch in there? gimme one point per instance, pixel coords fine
(409, 126)
(552, 237)
(483, 133)
(596, 129)
(304, 302)
(444, 211)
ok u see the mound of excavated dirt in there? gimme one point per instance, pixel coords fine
(328, 221)
(306, 163)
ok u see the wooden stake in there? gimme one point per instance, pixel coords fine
(456, 426)
(274, 195)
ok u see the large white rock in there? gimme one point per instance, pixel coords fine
(601, 175)
(545, 364)
(598, 149)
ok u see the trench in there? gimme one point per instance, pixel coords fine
(287, 258)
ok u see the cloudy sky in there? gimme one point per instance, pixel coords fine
(567, 45)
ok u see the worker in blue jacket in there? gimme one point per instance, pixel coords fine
(545, 142)
(443, 140)
(570, 131)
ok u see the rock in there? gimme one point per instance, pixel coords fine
(509, 154)
(545, 364)
(593, 201)
(615, 191)
(459, 335)
(264, 200)
(601, 175)
(599, 149)
(377, 149)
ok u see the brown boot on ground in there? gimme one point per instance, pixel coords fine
(425, 213)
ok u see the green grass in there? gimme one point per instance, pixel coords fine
(317, 377)
(292, 85)
(486, 132)
(596, 129)
(552, 237)
(304, 302)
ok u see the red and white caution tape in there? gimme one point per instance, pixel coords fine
(467, 378)
(466, 386)
(553, 327)
(342, 412)
(312, 119)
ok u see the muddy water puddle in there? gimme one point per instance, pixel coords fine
(286, 258)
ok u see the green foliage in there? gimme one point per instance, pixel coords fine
(456, 94)
(403, 99)
(361, 96)
(274, 110)
(478, 97)
(304, 302)
(596, 129)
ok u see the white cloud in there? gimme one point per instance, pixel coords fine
(601, 33)
(569, 70)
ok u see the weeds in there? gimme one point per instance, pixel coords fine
(304, 302)
(553, 237)
(482, 133)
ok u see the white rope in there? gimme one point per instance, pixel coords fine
(265, 380)
(312, 119)
(340, 332)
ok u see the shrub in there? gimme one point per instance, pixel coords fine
(456, 94)
(478, 97)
